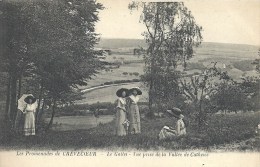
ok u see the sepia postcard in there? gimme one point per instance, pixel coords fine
(129, 83)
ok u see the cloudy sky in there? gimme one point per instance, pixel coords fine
(225, 21)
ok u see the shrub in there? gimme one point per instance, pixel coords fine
(199, 66)
(125, 73)
(244, 65)
(136, 80)
(136, 73)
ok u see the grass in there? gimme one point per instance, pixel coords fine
(108, 94)
(236, 130)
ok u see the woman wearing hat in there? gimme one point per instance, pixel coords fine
(180, 128)
(29, 120)
(133, 110)
(121, 112)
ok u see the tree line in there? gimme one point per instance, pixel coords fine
(47, 49)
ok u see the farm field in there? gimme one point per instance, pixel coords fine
(234, 58)
(108, 94)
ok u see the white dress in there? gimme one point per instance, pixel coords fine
(169, 133)
(133, 114)
(29, 120)
(120, 117)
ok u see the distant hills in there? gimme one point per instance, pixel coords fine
(132, 43)
(120, 43)
(220, 51)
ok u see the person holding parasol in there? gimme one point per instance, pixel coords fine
(27, 104)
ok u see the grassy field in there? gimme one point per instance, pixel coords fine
(108, 94)
(232, 132)
(233, 58)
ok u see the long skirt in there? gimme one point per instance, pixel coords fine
(29, 124)
(120, 119)
(166, 134)
(134, 119)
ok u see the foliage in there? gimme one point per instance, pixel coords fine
(256, 62)
(230, 97)
(171, 35)
(199, 89)
(121, 81)
(244, 65)
(52, 45)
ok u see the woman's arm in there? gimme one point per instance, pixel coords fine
(24, 110)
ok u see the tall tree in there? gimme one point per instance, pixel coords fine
(52, 44)
(171, 35)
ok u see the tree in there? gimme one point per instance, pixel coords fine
(201, 89)
(54, 42)
(15, 21)
(171, 35)
(256, 62)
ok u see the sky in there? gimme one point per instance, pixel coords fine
(223, 21)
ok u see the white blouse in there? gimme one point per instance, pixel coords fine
(135, 99)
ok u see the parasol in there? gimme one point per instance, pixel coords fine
(22, 103)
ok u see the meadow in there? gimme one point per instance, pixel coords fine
(233, 132)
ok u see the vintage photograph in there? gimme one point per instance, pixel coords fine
(129, 75)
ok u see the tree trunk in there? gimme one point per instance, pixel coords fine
(52, 115)
(39, 116)
(40, 112)
(19, 87)
(200, 123)
(7, 104)
(39, 102)
(151, 97)
(13, 101)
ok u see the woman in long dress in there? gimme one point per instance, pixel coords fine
(29, 118)
(121, 129)
(179, 130)
(133, 111)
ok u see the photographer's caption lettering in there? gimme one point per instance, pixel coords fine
(113, 154)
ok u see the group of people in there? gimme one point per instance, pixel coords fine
(128, 116)
(127, 111)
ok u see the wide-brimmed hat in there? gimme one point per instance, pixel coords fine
(139, 92)
(120, 91)
(176, 112)
(30, 97)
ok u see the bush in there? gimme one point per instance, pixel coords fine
(108, 83)
(136, 80)
(244, 65)
(192, 66)
(136, 73)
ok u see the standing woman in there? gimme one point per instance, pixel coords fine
(121, 112)
(133, 110)
(29, 119)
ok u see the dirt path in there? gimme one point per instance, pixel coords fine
(104, 86)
